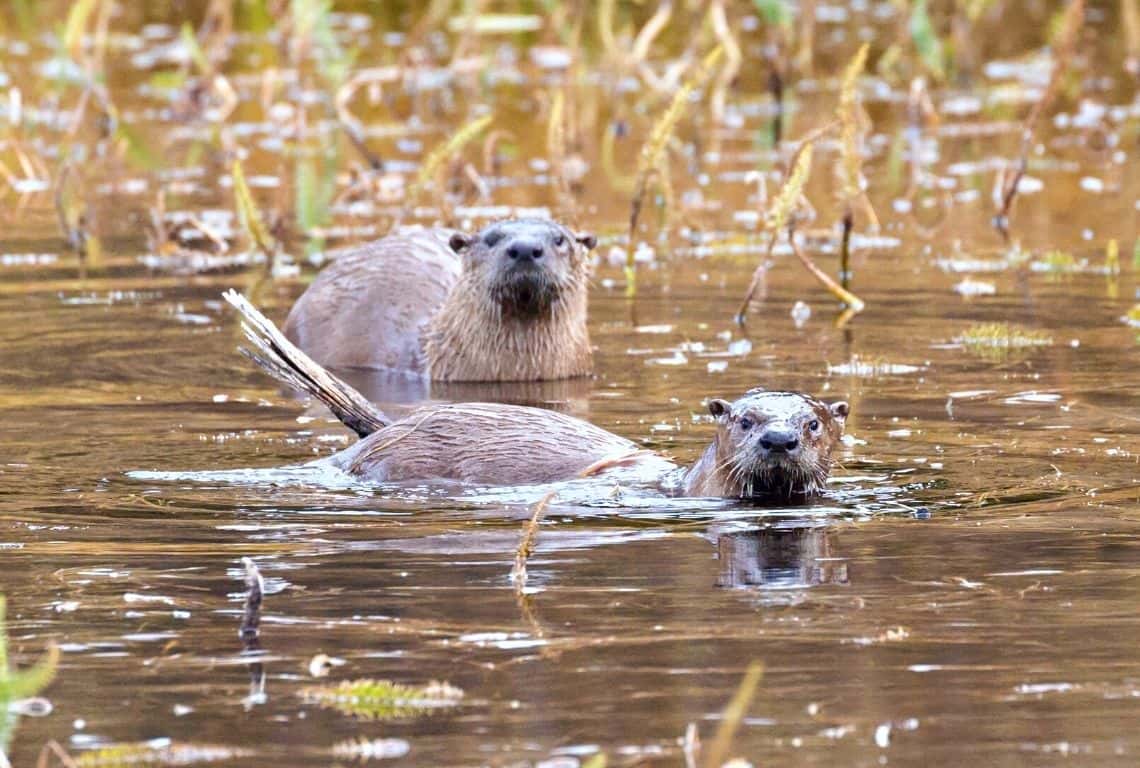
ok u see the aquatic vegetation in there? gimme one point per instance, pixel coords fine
(369, 699)
(997, 340)
(349, 118)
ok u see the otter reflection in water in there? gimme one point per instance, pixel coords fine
(780, 556)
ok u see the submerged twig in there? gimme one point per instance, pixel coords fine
(250, 629)
(52, 747)
(249, 632)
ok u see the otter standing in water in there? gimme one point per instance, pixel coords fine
(773, 446)
(507, 304)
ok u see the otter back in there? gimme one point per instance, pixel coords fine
(484, 443)
(368, 308)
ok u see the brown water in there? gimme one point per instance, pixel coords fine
(968, 592)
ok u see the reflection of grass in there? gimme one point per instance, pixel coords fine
(25, 684)
(733, 715)
(382, 699)
(997, 341)
(149, 754)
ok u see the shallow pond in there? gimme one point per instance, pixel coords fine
(967, 592)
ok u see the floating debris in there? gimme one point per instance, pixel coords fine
(869, 368)
(970, 288)
(801, 313)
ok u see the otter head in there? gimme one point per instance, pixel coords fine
(776, 445)
(525, 265)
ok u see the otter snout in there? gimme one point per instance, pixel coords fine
(779, 438)
(524, 250)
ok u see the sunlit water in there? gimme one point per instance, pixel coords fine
(965, 592)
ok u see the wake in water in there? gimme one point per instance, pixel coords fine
(625, 491)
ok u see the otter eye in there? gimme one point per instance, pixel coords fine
(746, 424)
(814, 425)
(559, 241)
(492, 238)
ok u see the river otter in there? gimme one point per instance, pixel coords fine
(506, 304)
(772, 446)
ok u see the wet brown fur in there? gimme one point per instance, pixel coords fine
(498, 444)
(491, 328)
(439, 303)
(483, 443)
(736, 464)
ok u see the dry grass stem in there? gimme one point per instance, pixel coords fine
(444, 152)
(1064, 45)
(853, 302)
(526, 543)
(652, 160)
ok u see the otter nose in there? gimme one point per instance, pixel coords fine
(779, 439)
(523, 250)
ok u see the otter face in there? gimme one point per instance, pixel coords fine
(776, 444)
(526, 265)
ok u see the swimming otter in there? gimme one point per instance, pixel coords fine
(773, 446)
(506, 304)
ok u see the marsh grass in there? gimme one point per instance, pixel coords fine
(437, 159)
(652, 163)
(252, 221)
(850, 115)
(1064, 46)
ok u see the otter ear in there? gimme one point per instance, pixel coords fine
(586, 240)
(459, 241)
(839, 409)
(719, 407)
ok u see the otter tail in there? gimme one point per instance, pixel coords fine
(278, 357)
